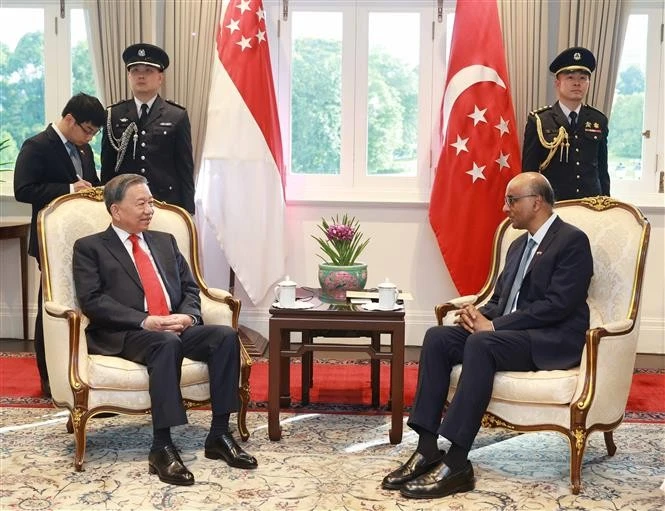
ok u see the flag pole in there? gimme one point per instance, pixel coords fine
(255, 344)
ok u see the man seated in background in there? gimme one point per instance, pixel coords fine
(56, 162)
(143, 304)
(535, 320)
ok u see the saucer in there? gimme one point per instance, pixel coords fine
(298, 305)
(373, 306)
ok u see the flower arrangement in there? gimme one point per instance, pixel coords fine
(342, 242)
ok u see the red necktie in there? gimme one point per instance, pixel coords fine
(154, 294)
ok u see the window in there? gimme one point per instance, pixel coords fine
(636, 129)
(358, 87)
(44, 60)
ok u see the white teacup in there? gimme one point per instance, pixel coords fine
(285, 293)
(388, 294)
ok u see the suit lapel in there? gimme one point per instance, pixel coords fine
(119, 252)
(63, 157)
(550, 235)
(561, 118)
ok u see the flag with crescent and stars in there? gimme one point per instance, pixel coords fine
(480, 151)
(240, 188)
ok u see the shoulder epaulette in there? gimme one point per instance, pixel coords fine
(594, 109)
(541, 109)
(171, 102)
(119, 103)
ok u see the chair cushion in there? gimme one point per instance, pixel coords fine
(107, 372)
(541, 387)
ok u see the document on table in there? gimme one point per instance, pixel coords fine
(374, 295)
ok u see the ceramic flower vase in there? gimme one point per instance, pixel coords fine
(336, 280)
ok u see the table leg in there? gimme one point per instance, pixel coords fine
(375, 365)
(307, 369)
(274, 381)
(284, 370)
(23, 240)
(397, 384)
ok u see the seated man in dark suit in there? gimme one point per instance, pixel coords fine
(536, 319)
(143, 304)
(55, 162)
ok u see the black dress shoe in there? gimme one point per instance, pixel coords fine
(439, 482)
(166, 463)
(227, 449)
(415, 466)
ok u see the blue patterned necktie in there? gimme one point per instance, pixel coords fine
(519, 277)
(76, 158)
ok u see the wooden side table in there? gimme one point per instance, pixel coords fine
(20, 230)
(329, 318)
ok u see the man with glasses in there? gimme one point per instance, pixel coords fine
(148, 135)
(567, 141)
(57, 161)
(535, 320)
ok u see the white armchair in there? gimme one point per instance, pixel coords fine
(593, 396)
(87, 384)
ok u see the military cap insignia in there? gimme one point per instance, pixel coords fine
(577, 56)
(141, 52)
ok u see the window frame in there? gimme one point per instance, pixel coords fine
(353, 184)
(644, 191)
(57, 51)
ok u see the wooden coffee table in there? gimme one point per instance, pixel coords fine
(341, 320)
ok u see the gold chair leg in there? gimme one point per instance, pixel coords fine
(79, 421)
(577, 447)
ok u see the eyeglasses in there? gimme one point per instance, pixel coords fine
(88, 131)
(512, 199)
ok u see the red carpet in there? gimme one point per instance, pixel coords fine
(335, 383)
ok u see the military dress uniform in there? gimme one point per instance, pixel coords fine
(574, 162)
(159, 148)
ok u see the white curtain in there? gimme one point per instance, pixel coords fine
(189, 38)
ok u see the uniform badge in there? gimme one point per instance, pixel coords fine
(587, 124)
(124, 119)
(596, 125)
(166, 124)
(141, 52)
(577, 55)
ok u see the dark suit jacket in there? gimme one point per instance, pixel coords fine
(584, 172)
(552, 304)
(109, 290)
(163, 150)
(44, 171)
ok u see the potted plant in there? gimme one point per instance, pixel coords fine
(342, 243)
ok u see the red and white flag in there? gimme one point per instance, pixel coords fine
(480, 151)
(240, 189)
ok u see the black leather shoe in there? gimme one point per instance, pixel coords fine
(166, 463)
(439, 482)
(46, 389)
(227, 449)
(415, 466)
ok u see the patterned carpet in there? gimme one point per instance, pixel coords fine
(323, 462)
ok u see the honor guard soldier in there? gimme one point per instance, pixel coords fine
(567, 141)
(148, 135)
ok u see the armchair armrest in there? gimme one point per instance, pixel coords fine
(617, 327)
(443, 310)
(219, 307)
